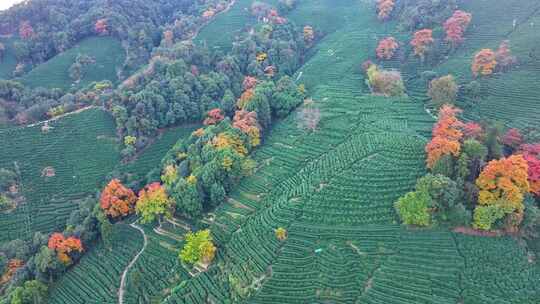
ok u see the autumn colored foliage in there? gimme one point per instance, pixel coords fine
(387, 48)
(421, 41)
(472, 130)
(64, 246)
(101, 27)
(484, 63)
(309, 34)
(153, 202)
(245, 98)
(504, 180)
(281, 233)
(249, 83)
(116, 200)
(26, 31)
(12, 267)
(456, 25)
(385, 8)
(446, 136)
(213, 117)
(531, 153)
(247, 123)
(512, 138)
(504, 56)
(199, 248)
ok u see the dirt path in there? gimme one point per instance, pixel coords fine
(60, 116)
(124, 274)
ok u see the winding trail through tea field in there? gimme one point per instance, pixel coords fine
(131, 263)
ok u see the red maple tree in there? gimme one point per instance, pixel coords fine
(456, 25)
(116, 200)
(213, 117)
(26, 31)
(386, 48)
(421, 41)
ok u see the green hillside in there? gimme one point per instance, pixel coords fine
(106, 51)
(80, 148)
(8, 61)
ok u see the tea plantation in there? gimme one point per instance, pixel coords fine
(81, 149)
(107, 53)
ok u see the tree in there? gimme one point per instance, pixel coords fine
(446, 136)
(101, 27)
(64, 247)
(531, 153)
(442, 91)
(504, 180)
(309, 34)
(247, 123)
(153, 203)
(116, 200)
(503, 56)
(249, 83)
(385, 8)
(26, 31)
(484, 63)
(472, 130)
(198, 248)
(32, 292)
(421, 41)
(455, 26)
(386, 48)
(214, 116)
(281, 233)
(512, 138)
(309, 116)
(386, 83)
(413, 208)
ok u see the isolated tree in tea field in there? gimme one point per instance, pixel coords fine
(456, 26)
(505, 180)
(117, 200)
(421, 42)
(153, 202)
(484, 63)
(281, 233)
(198, 248)
(385, 8)
(387, 48)
(413, 208)
(503, 56)
(442, 91)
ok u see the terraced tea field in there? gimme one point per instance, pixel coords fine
(106, 51)
(80, 149)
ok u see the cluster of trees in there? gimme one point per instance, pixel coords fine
(9, 191)
(28, 267)
(477, 175)
(47, 28)
(383, 82)
(413, 14)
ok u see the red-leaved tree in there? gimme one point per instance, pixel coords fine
(421, 41)
(64, 247)
(385, 8)
(26, 31)
(101, 27)
(531, 153)
(446, 136)
(214, 116)
(387, 48)
(484, 63)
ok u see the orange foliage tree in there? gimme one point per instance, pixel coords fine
(387, 48)
(12, 267)
(505, 180)
(64, 246)
(484, 63)
(456, 25)
(101, 27)
(245, 98)
(214, 116)
(385, 8)
(116, 200)
(26, 31)
(421, 41)
(446, 136)
(472, 130)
